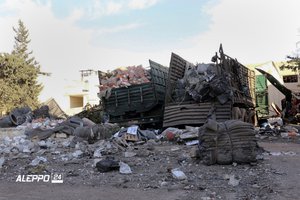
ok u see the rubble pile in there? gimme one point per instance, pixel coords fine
(188, 136)
(123, 77)
(274, 128)
(228, 142)
(16, 117)
(94, 113)
(134, 133)
(57, 147)
(106, 155)
(19, 116)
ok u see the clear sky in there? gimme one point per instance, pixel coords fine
(69, 35)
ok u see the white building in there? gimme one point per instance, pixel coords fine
(72, 95)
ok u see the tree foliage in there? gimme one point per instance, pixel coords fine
(18, 74)
(21, 44)
(293, 63)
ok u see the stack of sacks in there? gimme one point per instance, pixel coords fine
(227, 142)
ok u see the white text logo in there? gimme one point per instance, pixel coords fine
(33, 178)
(53, 178)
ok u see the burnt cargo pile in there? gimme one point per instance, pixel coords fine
(221, 90)
(227, 142)
(135, 96)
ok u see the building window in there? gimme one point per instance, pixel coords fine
(290, 79)
(76, 101)
(87, 72)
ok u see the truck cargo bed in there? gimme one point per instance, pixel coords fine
(142, 103)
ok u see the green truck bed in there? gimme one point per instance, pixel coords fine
(143, 103)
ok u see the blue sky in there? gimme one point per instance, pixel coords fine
(163, 23)
(69, 35)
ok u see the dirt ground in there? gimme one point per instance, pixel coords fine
(275, 176)
(286, 169)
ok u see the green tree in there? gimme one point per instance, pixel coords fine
(18, 74)
(21, 44)
(293, 63)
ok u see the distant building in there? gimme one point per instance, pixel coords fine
(72, 95)
(266, 93)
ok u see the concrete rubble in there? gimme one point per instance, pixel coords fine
(124, 168)
(129, 157)
(178, 174)
(274, 128)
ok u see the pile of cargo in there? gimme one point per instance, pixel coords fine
(123, 77)
(203, 83)
(196, 92)
(227, 142)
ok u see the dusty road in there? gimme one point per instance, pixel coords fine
(286, 168)
(67, 192)
(276, 177)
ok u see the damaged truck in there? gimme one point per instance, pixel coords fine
(134, 95)
(221, 90)
(184, 94)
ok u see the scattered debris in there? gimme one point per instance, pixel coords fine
(97, 153)
(275, 121)
(38, 160)
(284, 135)
(178, 174)
(61, 135)
(19, 116)
(172, 133)
(107, 164)
(129, 154)
(95, 114)
(2, 160)
(275, 153)
(233, 181)
(134, 134)
(193, 142)
(288, 153)
(273, 128)
(77, 154)
(78, 147)
(124, 168)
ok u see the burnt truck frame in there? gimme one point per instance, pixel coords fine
(141, 104)
(241, 106)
